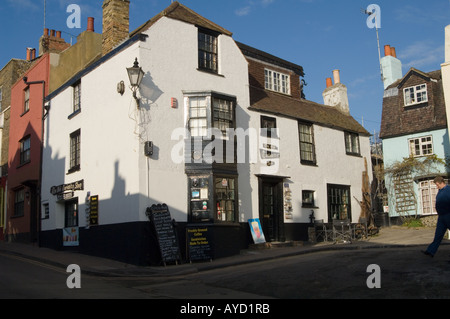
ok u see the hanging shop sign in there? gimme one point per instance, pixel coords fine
(75, 186)
(159, 215)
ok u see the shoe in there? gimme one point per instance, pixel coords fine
(427, 253)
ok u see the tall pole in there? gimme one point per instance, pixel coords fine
(379, 51)
(45, 11)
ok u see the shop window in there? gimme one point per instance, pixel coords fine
(225, 194)
(212, 199)
(339, 202)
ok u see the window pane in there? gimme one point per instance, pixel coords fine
(225, 197)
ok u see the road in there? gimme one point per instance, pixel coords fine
(22, 278)
(403, 273)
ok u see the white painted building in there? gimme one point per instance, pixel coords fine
(196, 78)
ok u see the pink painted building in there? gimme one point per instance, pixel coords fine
(24, 159)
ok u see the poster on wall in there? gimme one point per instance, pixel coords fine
(70, 236)
(256, 230)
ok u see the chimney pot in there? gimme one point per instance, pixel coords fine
(33, 54)
(337, 77)
(52, 33)
(90, 24)
(58, 34)
(387, 50)
(28, 54)
(46, 32)
(329, 82)
(393, 53)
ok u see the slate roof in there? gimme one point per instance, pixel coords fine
(300, 109)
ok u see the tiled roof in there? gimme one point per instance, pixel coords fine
(281, 105)
(180, 12)
(398, 120)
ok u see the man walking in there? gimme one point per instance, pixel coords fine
(443, 210)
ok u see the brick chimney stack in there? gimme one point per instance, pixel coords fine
(116, 23)
(51, 41)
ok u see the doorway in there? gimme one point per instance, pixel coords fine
(271, 209)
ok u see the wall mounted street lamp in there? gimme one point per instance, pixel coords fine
(136, 74)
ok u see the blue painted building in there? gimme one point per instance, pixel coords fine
(414, 126)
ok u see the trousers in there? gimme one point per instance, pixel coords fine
(443, 223)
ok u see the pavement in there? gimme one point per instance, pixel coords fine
(388, 238)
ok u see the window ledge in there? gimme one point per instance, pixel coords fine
(210, 72)
(23, 164)
(313, 164)
(74, 114)
(354, 154)
(74, 169)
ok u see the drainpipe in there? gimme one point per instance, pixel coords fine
(39, 191)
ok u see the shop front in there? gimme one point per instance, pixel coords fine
(212, 204)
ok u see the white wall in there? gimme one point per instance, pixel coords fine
(334, 166)
(173, 69)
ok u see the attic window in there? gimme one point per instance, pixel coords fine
(277, 82)
(416, 94)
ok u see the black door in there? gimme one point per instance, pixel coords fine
(271, 210)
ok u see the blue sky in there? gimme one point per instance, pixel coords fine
(320, 35)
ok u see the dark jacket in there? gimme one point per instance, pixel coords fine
(443, 201)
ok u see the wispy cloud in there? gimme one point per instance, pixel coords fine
(422, 54)
(24, 4)
(250, 5)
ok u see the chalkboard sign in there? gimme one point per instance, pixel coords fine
(159, 215)
(199, 243)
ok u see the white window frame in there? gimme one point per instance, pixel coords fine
(277, 81)
(427, 193)
(415, 94)
(26, 98)
(416, 146)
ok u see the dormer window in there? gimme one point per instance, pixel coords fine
(416, 94)
(276, 81)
